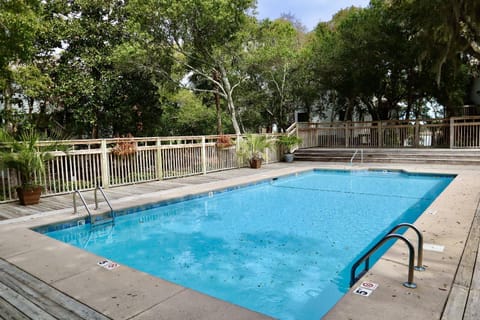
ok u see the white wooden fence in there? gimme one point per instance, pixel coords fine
(91, 163)
(458, 132)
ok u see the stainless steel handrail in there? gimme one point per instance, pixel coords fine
(83, 201)
(104, 197)
(354, 155)
(366, 257)
(92, 220)
(419, 266)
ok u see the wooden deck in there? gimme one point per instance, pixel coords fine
(13, 210)
(23, 296)
(463, 300)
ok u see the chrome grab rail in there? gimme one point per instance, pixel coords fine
(419, 266)
(92, 221)
(366, 257)
(354, 154)
(83, 201)
(104, 197)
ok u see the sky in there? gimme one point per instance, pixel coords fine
(309, 12)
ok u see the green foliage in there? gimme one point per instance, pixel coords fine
(253, 146)
(23, 154)
(188, 116)
(33, 82)
(205, 39)
(19, 24)
(106, 68)
(288, 142)
(374, 62)
(271, 62)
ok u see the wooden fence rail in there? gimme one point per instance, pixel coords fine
(113, 162)
(459, 132)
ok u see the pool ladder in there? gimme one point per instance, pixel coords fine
(93, 221)
(411, 257)
(355, 154)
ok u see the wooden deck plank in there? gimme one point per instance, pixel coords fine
(460, 303)
(472, 310)
(9, 312)
(31, 310)
(33, 292)
(29, 290)
(456, 303)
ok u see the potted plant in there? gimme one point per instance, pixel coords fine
(288, 143)
(223, 142)
(21, 153)
(125, 146)
(252, 148)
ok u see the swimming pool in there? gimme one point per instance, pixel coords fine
(283, 247)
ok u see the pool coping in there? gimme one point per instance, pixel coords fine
(124, 293)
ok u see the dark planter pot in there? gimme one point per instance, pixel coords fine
(288, 157)
(29, 196)
(255, 163)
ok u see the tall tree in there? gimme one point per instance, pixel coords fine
(20, 21)
(272, 61)
(448, 30)
(96, 95)
(205, 37)
(370, 58)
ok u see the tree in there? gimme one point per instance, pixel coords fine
(272, 59)
(95, 95)
(187, 115)
(369, 58)
(204, 37)
(20, 21)
(448, 30)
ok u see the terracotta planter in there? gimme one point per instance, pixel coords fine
(29, 196)
(255, 163)
(223, 146)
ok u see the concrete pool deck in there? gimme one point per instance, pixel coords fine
(124, 293)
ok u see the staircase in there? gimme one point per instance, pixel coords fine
(434, 156)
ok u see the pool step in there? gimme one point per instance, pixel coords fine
(434, 156)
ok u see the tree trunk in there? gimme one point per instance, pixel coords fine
(233, 114)
(349, 110)
(7, 103)
(217, 105)
(230, 103)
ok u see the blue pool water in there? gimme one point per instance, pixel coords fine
(283, 248)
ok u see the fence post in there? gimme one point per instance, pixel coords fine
(237, 149)
(380, 134)
(204, 156)
(452, 133)
(266, 151)
(159, 168)
(347, 134)
(416, 133)
(104, 164)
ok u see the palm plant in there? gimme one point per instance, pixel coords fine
(23, 154)
(288, 142)
(252, 148)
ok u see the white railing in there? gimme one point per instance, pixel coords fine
(458, 132)
(91, 163)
